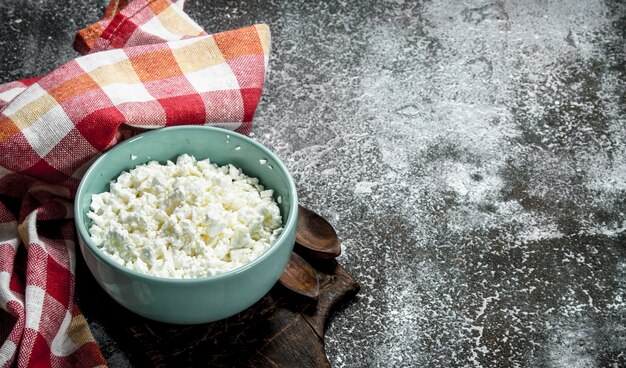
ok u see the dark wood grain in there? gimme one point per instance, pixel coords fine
(316, 237)
(300, 277)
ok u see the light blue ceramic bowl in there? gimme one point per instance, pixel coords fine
(200, 300)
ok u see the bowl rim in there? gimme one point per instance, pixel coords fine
(84, 235)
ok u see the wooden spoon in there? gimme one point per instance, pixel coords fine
(315, 236)
(300, 277)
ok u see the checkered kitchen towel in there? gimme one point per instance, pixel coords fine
(148, 66)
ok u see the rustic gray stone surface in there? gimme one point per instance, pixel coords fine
(472, 155)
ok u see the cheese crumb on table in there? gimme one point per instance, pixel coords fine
(187, 219)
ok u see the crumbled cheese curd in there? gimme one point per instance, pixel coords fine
(187, 219)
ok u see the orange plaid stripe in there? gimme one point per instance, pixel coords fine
(245, 42)
(8, 129)
(73, 87)
(157, 65)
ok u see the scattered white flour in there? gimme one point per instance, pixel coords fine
(495, 132)
(364, 187)
(186, 219)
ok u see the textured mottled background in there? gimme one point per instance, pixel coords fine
(471, 154)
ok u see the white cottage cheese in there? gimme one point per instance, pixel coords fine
(186, 219)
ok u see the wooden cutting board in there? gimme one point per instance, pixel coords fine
(281, 330)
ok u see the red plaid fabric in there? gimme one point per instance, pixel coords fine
(137, 23)
(148, 65)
